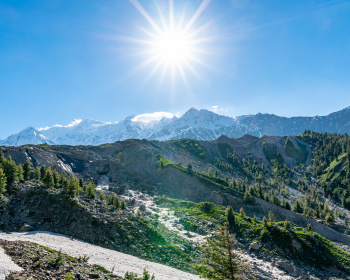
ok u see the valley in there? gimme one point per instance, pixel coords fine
(155, 200)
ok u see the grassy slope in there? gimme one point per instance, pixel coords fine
(296, 243)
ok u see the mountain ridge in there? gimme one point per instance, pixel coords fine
(195, 124)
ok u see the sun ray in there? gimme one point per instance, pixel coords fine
(197, 14)
(174, 43)
(142, 11)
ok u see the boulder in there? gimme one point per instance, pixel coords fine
(25, 227)
(255, 246)
(142, 207)
(119, 189)
(286, 266)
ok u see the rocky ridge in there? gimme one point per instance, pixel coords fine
(194, 124)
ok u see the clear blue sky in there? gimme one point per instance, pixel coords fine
(66, 60)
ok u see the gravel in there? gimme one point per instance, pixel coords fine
(109, 259)
(7, 266)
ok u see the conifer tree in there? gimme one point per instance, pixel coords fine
(27, 167)
(297, 208)
(110, 199)
(242, 213)
(37, 174)
(101, 196)
(220, 261)
(309, 227)
(63, 177)
(48, 179)
(2, 158)
(329, 218)
(286, 224)
(90, 190)
(272, 219)
(72, 185)
(10, 169)
(42, 171)
(264, 220)
(247, 196)
(122, 204)
(189, 167)
(230, 215)
(3, 181)
(20, 173)
(56, 177)
(116, 201)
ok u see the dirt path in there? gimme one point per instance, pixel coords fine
(98, 255)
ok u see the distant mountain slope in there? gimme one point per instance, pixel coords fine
(194, 124)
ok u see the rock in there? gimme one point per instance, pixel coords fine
(94, 275)
(25, 227)
(255, 246)
(142, 207)
(113, 187)
(286, 266)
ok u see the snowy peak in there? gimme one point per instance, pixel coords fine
(29, 135)
(195, 124)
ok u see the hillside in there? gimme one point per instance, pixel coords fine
(175, 194)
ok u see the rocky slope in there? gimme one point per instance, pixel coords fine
(194, 124)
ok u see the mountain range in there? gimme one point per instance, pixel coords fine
(194, 124)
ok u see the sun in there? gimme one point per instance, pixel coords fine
(172, 47)
(172, 44)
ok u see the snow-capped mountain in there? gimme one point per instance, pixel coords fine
(195, 124)
(30, 135)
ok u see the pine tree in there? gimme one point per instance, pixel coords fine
(122, 204)
(286, 224)
(230, 215)
(116, 201)
(42, 171)
(110, 199)
(48, 179)
(220, 261)
(3, 181)
(56, 177)
(189, 167)
(309, 227)
(329, 218)
(272, 219)
(27, 167)
(247, 197)
(63, 177)
(2, 158)
(10, 169)
(264, 220)
(72, 185)
(37, 174)
(242, 213)
(101, 196)
(90, 190)
(20, 173)
(297, 207)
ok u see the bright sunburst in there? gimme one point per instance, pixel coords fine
(172, 44)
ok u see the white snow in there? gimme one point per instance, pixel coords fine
(98, 255)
